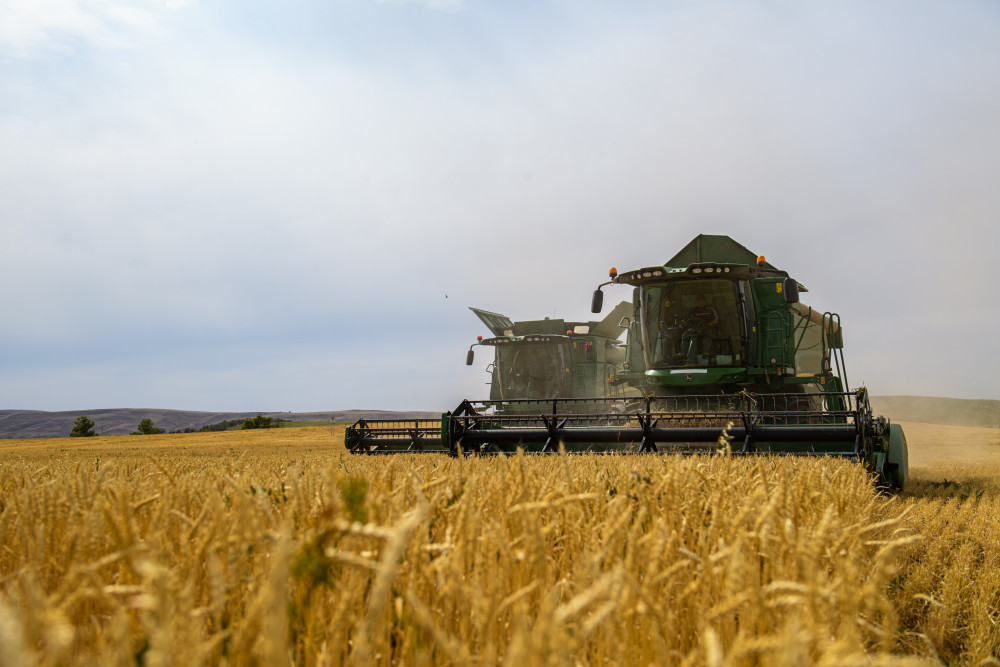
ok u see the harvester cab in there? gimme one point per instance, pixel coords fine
(719, 316)
(553, 358)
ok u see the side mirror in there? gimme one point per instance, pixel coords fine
(598, 301)
(469, 357)
(791, 290)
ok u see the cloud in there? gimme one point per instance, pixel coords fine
(261, 183)
(36, 28)
(440, 5)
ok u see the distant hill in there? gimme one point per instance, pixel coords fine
(949, 411)
(122, 421)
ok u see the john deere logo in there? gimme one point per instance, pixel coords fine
(688, 378)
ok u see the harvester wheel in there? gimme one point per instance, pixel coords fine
(896, 473)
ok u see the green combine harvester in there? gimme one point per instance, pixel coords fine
(534, 361)
(721, 355)
(552, 358)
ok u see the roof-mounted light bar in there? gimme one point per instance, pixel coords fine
(710, 269)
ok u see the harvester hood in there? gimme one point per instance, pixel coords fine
(609, 327)
(499, 325)
(713, 248)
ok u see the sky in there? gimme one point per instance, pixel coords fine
(240, 205)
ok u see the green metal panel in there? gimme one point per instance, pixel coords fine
(775, 340)
(768, 292)
(685, 377)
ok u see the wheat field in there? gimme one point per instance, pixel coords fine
(277, 547)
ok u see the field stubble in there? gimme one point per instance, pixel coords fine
(276, 547)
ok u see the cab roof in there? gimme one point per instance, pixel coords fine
(609, 327)
(706, 255)
(713, 248)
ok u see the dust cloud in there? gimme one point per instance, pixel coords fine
(937, 445)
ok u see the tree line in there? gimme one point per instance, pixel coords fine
(83, 427)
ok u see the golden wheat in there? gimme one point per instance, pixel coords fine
(276, 547)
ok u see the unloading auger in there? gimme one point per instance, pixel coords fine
(721, 355)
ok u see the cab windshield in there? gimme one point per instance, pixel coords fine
(691, 323)
(534, 370)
